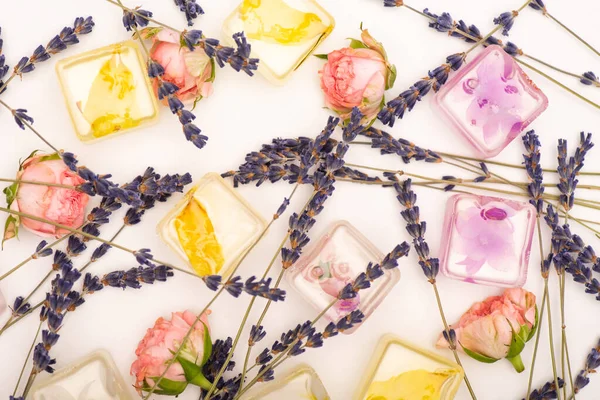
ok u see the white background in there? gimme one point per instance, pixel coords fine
(245, 112)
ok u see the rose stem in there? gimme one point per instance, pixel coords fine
(464, 34)
(249, 308)
(27, 358)
(119, 4)
(217, 294)
(40, 183)
(87, 235)
(31, 128)
(589, 46)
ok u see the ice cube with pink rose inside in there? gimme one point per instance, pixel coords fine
(331, 263)
(487, 240)
(490, 101)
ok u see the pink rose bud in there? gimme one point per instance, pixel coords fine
(357, 76)
(192, 72)
(157, 349)
(55, 204)
(498, 327)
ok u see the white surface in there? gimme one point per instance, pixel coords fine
(245, 112)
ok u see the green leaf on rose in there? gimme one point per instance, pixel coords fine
(479, 357)
(322, 56)
(535, 325)
(207, 345)
(21, 162)
(11, 228)
(518, 340)
(196, 101)
(213, 71)
(148, 32)
(167, 387)
(193, 373)
(357, 44)
(50, 157)
(11, 193)
(393, 73)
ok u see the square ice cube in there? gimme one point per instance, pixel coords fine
(490, 101)
(212, 226)
(401, 370)
(487, 240)
(94, 377)
(302, 383)
(107, 91)
(283, 33)
(334, 261)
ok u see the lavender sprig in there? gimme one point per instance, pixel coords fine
(251, 286)
(190, 8)
(430, 265)
(397, 107)
(67, 37)
(534, 170)
(568, 170)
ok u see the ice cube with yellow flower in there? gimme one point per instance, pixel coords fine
(107, 91)
(211, 227)
(283, 33)
(402, 371)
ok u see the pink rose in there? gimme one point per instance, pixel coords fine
(59, 205)
(190, 71)
(156, 349)
(357, 76)
(498, 327)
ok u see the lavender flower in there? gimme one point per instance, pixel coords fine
(588, 78)
(538, 5)
(441, 23)
(132, 19)
(507, 20)
(20, 307)
(21, 117)
(393, 3)
(41, 250)
(191, 9)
